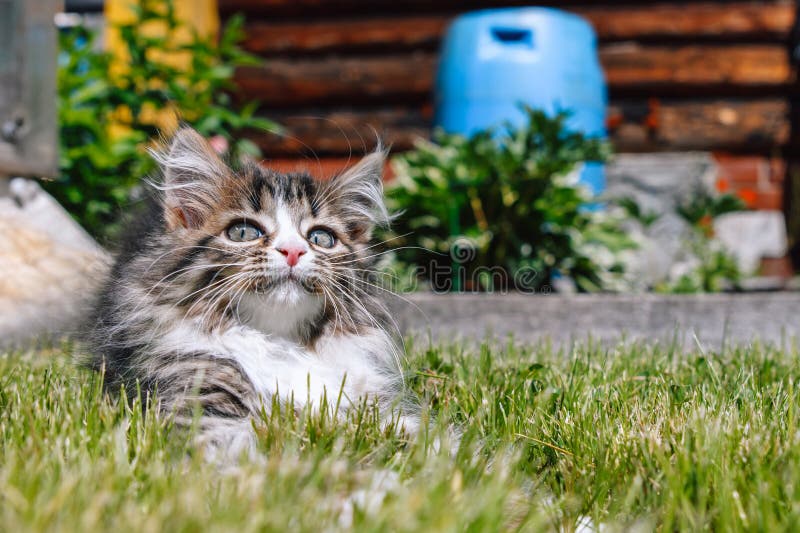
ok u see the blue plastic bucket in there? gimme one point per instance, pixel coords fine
(493, 60)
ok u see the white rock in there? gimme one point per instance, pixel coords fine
(751, 235)
(49, 266)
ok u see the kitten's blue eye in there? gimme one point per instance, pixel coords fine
(243, 232)
(322, 238)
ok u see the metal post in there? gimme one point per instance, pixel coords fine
(28, 48)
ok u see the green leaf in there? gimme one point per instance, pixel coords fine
(508, 189)
(101, 170)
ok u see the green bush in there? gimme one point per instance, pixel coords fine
(98, 170)
(499, 210)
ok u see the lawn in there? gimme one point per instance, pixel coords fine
(633, 437)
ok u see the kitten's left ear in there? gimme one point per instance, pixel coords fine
(358, 194)
(193, 174)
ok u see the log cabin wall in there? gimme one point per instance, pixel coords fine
(712, 76)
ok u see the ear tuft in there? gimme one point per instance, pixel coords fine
(358, 192)
(193, 174)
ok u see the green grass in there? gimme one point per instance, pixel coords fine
(640, 436)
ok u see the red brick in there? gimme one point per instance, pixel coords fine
(771, 198)
(776, 266)
(742, 170)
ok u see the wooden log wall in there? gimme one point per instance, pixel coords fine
(682, 75)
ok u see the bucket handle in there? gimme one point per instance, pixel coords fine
(513, 36)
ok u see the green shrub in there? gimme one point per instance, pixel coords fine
(499, 210)
(98, 169)
(701, 208)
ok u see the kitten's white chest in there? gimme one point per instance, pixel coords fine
(282, 314)
(279, 366)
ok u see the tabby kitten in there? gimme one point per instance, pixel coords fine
(240, 286)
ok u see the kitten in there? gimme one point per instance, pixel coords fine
(240, 285)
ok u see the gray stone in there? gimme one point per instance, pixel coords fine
(658, 183)
(693, 321)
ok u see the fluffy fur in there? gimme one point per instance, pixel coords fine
(227, 326)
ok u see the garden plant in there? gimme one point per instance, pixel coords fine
(110, 113)
(504, 210)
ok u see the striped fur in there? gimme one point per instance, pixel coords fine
(224, 326)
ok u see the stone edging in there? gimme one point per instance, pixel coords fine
(710, 318)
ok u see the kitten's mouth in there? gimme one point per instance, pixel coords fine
(291, 279)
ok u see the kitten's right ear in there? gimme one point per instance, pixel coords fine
(193, 174)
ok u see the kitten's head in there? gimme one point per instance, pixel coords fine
(281, 250)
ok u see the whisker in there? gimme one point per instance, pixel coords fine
(192, 247)
(404, 299)
(378, 273)
(338, 318)
(232, 287)
(212, 298)
(356, 300)
(386, 252)
(190, 269)
(194, 268)
(205, 288)
(375, 245)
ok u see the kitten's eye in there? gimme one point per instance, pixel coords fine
(243, 232)
(322, 238)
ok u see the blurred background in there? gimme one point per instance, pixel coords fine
(684, 175)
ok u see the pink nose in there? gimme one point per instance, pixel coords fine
(292, 254)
